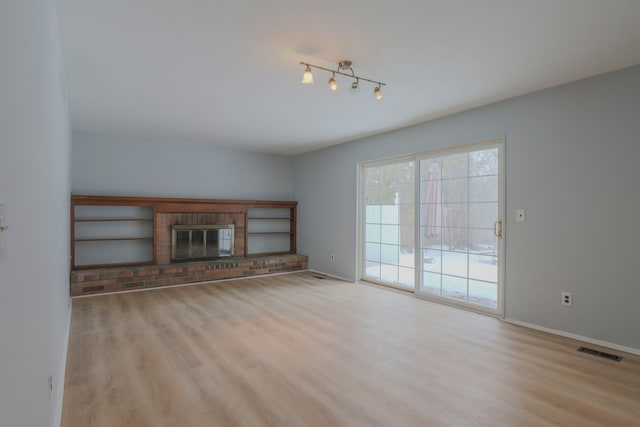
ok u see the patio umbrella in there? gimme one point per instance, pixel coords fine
(434, 210)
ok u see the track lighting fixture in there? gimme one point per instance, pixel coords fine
(344, 69)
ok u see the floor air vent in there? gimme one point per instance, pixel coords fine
(320, 277)
(599, 353)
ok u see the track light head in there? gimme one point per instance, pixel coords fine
(377, 93)
(333, 86)
(307, 77)
(355, 88)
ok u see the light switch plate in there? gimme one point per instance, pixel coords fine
(520, 215)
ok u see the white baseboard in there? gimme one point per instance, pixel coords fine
(574, 336)
(63, 371)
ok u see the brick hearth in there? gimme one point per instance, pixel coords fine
(102, 280)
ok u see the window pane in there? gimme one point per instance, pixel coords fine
(432, 261)
(389, 214)
(457, 215)
(483, 215)
(483, 293)
(374, 195)
(406, 277)
(389, 174)
(389, 195)
(483, 189)
(483, 162)
(434, 214)
(406, 194)
(373, 214)
(455, 190)
(372, 270)
(390, 254)
(389, 234)
(483, 242)
(372, 176)
(428, 171)
(454, 287)
(454, 263)
(372, 252)
(406, 172)
(483, 267)
(389, 273)
(372, 233)
(432, 237)
(407, 259)
(407, 238)
(455, 239)
(431, 283)
(455, 165)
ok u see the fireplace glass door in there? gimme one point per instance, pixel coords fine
(194, 242)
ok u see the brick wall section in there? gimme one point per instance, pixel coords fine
(164, 221)
(88, 282)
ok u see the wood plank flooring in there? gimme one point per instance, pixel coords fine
(293, 350)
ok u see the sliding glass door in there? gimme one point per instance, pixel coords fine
(388, 231)
(432, 224)
(460, 226)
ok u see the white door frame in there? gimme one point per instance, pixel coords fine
(497, 143)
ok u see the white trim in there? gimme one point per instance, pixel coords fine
(626, 349)
(63, 371)
(189, 284)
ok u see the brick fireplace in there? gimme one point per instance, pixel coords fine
(153, 266)
(164, 221)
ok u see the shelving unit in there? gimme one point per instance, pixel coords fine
(271, 229)
(110, 231)
(111, 235)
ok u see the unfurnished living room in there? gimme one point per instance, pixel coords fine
(292, 213)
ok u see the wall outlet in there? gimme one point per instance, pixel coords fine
(332, 257)
(567, 299)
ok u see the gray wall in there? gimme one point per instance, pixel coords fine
(572, 161)
(34, 184)
(116, 166)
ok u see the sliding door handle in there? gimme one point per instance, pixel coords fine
(497, 228)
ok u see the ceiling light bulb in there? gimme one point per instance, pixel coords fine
(307, 77)
(354, 88)
(332, 84)
(377, 93)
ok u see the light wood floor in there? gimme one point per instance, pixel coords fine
(293, 350)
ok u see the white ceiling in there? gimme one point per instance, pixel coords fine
(227, 73)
